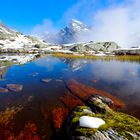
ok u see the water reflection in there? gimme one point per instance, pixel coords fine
(120, 78)
(38, 99)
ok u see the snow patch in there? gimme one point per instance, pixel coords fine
(90, 122)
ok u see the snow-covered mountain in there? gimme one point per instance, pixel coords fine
(70, 34)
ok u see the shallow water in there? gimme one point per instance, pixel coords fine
(38, 99)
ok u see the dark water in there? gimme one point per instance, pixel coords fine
(122, 79)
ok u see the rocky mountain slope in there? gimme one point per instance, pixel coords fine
(72, 32)
(13, 41)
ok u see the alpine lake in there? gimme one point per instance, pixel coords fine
(46, 80)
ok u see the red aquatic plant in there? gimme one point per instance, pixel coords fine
(29, 132)
(58, 116)
(84, 92)
(71, 101)
(6, 133)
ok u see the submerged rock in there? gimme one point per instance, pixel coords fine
(46, 80)
(114, 125)
(83, 92)
(15, 87)
(3, 90)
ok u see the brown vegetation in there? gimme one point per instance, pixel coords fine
(58, 116)
(133, 58)
(71, 101)
(84, 92)
(29, 132)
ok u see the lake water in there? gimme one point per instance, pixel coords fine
(38, 99)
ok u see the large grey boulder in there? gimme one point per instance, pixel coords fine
(98, 46)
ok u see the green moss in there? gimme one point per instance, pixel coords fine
(85, 131)
(122, 123)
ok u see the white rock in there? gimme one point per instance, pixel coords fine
(87, 111)
(90, 122)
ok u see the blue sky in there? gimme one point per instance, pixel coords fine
(110, 20)
(23, 15)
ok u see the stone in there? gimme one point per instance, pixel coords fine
(15, 87)
(95, 46)
(87, 111)
(90, 122)
(106, 100)
(116, 126)
(46, 80)
(3, 90)
(59, 80)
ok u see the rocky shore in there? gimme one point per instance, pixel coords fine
(116, 126)
(92, 114)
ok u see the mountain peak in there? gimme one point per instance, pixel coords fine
(75, 21)
(69, 34)
(77, 26)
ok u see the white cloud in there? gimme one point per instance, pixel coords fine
(115, 21)
(44, 28)
(115, 70)
(49, 63)
(119, 24)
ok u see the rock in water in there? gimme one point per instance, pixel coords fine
(87, 126)
(46, 80)
(15, 87)
(3, 90)
(91, 122)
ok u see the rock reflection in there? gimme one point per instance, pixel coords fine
(75, 65)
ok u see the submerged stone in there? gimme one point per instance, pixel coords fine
(59, 80)
(46, 80)
(84, 92)
(15, 87)
(3, 90)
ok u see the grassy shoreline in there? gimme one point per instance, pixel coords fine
(133, 58)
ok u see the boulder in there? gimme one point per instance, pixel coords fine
(95, 46)
(101, 125)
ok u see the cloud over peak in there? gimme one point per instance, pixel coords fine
(116, 20)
